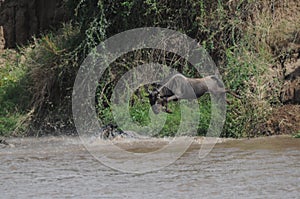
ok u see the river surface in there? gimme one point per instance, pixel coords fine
(61, 167)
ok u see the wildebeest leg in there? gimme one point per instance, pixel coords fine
(171, 98)
(165, 102)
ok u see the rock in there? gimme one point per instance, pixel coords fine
(110, 132)
(22, 19)
(290, 93)
(4, 144)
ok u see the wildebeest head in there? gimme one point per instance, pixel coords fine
(153, 97)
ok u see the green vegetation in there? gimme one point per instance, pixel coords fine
(140, 112)
(14, 96)
(297, 135)
(241, 36)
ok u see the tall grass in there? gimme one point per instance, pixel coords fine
(243, 37)
(52, 68)
(14, 96)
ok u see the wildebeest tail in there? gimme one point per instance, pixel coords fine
(219, 82)
(221, 85)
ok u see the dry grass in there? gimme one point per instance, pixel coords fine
(248, 40)
(277, 24)
(284, 120)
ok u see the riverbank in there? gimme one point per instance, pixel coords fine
(146, 145)
(255, 46)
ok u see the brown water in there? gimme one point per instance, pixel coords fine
(62, 168)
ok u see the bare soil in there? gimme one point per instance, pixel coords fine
(284, 120)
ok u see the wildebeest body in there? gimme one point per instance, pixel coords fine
(180, 87)
(190, 88)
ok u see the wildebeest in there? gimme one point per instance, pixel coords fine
(180, 87)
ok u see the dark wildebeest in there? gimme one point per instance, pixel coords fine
(180, 87)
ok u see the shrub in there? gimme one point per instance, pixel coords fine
(243, 37)
(14, 96)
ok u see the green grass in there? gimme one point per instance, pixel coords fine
(241, 48)
(297, 135)
(14, 94)
(141, 119)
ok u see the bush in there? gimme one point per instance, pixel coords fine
(52, 64)
(14, 95)
(243, 37)
(297, 135)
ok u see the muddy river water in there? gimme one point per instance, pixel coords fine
(61, 167)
